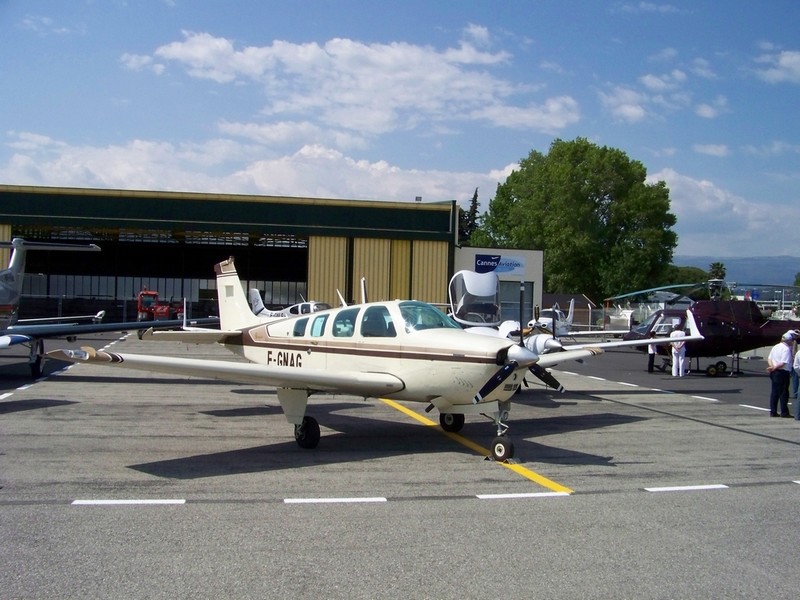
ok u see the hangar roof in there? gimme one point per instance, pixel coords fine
(187, 211)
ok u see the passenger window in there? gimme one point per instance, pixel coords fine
(344, 322)
(377, 322)
(299, 327)
(318, 326)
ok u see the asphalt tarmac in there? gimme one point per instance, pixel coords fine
(120, 484)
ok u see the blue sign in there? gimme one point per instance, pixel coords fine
(497, 263)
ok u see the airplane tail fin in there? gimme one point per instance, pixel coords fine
(256, 303)
(234, 310)
(13, 277)
(571, 313)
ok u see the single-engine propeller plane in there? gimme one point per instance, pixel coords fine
(31, 333)
(400, 350)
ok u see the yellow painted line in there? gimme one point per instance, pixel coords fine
(518, 469)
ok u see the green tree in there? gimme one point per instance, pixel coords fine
(717, 270)
(797, 280)
(468, 220)
(602, 228)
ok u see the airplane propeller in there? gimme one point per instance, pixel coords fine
(517, 356)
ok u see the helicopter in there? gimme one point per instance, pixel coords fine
(729, 327)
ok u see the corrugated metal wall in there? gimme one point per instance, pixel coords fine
(327, 268)
(372, 258)
(430, 272)
(395, 269)
(5, 253)
(401, 270)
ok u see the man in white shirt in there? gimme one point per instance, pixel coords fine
(779, 366)
(678, 352)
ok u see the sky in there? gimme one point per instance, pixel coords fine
(390, 100)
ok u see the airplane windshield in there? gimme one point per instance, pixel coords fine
(418, 316)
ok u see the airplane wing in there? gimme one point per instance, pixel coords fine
(23, 334)
(359, 383)
(554, 358)
(191, 335)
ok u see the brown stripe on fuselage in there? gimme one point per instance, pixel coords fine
(323, 345)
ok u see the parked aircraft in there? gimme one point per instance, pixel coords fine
(555, 321)
(401, 350)
(729, 327)
(31, 333)
(301, 308)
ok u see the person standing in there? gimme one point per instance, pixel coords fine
(779, 365)
(651, 354)
(678, 352)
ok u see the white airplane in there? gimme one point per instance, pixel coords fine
(554, 320)
(31, 333)
(400, 350)
(301, 308)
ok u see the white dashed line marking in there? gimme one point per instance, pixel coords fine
(131, 502)
(687, 488)
(332, 500)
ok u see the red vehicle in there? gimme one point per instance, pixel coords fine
(150, 308)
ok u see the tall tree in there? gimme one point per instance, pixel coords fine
(717, 270)
(602, 228)
(468, 220)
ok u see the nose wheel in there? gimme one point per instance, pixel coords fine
(502, 448)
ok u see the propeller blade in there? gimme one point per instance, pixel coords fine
(517, 356)
(546, 377)
(496, 381)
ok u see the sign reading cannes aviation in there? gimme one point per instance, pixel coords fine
(507, 265)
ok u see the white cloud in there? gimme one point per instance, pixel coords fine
(625, 104)
(712, 219)
(713, 110)
(225, 166)
(711, 149)
(783, 67)
(371, 89)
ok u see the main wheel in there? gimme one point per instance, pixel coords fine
(711, 370)
(502, 448)
(452, 422)
(306, 434)
(721, 366)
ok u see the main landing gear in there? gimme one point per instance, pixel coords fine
(502, 447)
(35, 359)
(306, 434)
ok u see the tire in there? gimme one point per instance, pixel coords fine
(451, 422)
(502, 448)
(307, 433)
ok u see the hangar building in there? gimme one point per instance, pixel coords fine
(287, 247)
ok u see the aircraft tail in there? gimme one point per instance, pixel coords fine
(571, 313)
(256, 303)
(12, 278)
(234, 309)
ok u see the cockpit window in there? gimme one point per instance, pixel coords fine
(418, 316)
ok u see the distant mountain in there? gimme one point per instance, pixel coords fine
(774, 270)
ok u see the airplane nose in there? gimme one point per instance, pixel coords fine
(522, 356)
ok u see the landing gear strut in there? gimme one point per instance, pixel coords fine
(35, 360)
(502, 446)
(306, 434)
